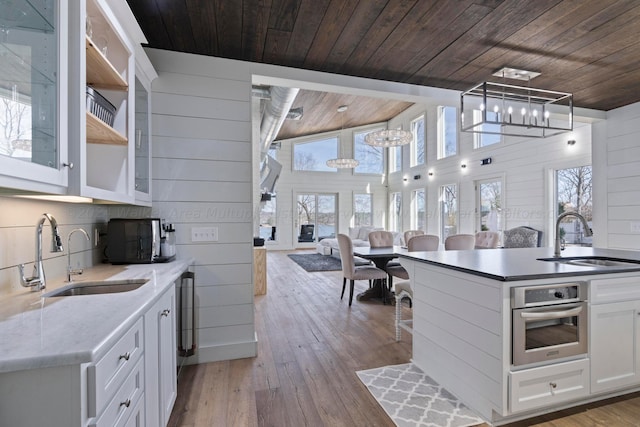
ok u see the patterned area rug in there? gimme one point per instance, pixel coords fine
(318, 262)
(412, 399)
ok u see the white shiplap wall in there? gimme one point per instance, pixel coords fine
(621, 177)
(524, 165)
(202, 177)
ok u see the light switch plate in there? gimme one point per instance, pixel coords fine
(204, 234)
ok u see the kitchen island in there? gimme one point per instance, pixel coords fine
(463, 335)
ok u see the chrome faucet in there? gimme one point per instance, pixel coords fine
(37, 282)
(587, 229)
(71, 271)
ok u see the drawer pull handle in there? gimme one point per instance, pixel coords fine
(553, 385)
(126, 403)
(125, 356)
(165, 312)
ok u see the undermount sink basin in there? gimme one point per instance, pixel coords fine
(97, 287)
(594, 261)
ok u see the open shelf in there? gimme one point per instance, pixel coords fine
(98, 132)
(100, 72)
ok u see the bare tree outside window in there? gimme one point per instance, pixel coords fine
(15, 123)
(363, 210)
(449, 210)
(313, 155)
(371, 158)
(574, 190)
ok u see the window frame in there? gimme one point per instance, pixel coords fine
(356, 223)
(441, 202)
(415, 211)
(354, 142)
(478, 137)
(442, 140)
(311, 140)
(414, 142)
(395, 216)
(556, 201)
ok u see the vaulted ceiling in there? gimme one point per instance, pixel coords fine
(588, 47)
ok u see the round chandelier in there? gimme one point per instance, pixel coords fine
(388, 138)
(341, 162)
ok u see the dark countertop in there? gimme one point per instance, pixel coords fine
(522, 263)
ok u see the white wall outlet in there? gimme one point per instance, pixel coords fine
(204, 234)
(635, 226)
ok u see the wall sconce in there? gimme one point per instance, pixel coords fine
(430, 173)
(405, 179)
(463, 166)
(571, 142)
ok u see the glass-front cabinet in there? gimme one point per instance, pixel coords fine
(33, 86)
(68, 118)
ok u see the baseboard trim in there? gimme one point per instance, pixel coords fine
(218, 353)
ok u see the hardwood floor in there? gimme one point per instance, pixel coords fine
(310, 344)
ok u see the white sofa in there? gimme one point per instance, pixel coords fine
(359, 237)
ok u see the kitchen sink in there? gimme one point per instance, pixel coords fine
(97, 287)
(594, 261)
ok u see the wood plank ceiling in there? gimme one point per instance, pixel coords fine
(588, 47)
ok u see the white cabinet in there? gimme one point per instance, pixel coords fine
(548, 385)
(34, 95)
(160, 360)
(615, 354)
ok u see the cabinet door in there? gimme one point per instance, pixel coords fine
(160, 353)
(33, 95)
(614, 339)
(167, 356)
(142, 144)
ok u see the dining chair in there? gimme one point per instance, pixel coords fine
(487, 239)
(522, 237)
(460, 242)
(411, 233)
(350, 271)
(419, 243)
(380, 239)
(403, 290)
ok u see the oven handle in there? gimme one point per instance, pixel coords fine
(551, 314)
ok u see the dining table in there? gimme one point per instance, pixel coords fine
(380, 256)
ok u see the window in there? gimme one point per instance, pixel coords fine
(418, 214)
(489, 209)
(363, 210)
(449, 210)
(418, 145)
(395, 212)
(395, 159)
(485, 139)
(371, 158)
(268, 219)
(447, 132)
(573, 190)
(313, 155)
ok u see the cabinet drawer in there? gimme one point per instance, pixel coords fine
(613, 290)
(106, 376)
(548, 385)
(127, 401)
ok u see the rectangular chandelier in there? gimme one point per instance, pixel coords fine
(503, 109)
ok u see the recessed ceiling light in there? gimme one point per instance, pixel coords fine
(342, 108)
(514, 73)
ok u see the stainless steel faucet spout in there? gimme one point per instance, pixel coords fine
(587, 230)
(37, 282)
(71, 271)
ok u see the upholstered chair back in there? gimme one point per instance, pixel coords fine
(346, 256)
(380, 239)
(424, 242)
(522, 237)
(460, 242)
(487, 239)
(411, 233)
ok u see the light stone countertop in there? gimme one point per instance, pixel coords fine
(38, 332)
(523, 263)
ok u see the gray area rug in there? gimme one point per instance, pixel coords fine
(412, 399)
(318, 262)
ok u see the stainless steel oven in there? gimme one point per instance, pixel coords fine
(548, 322)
